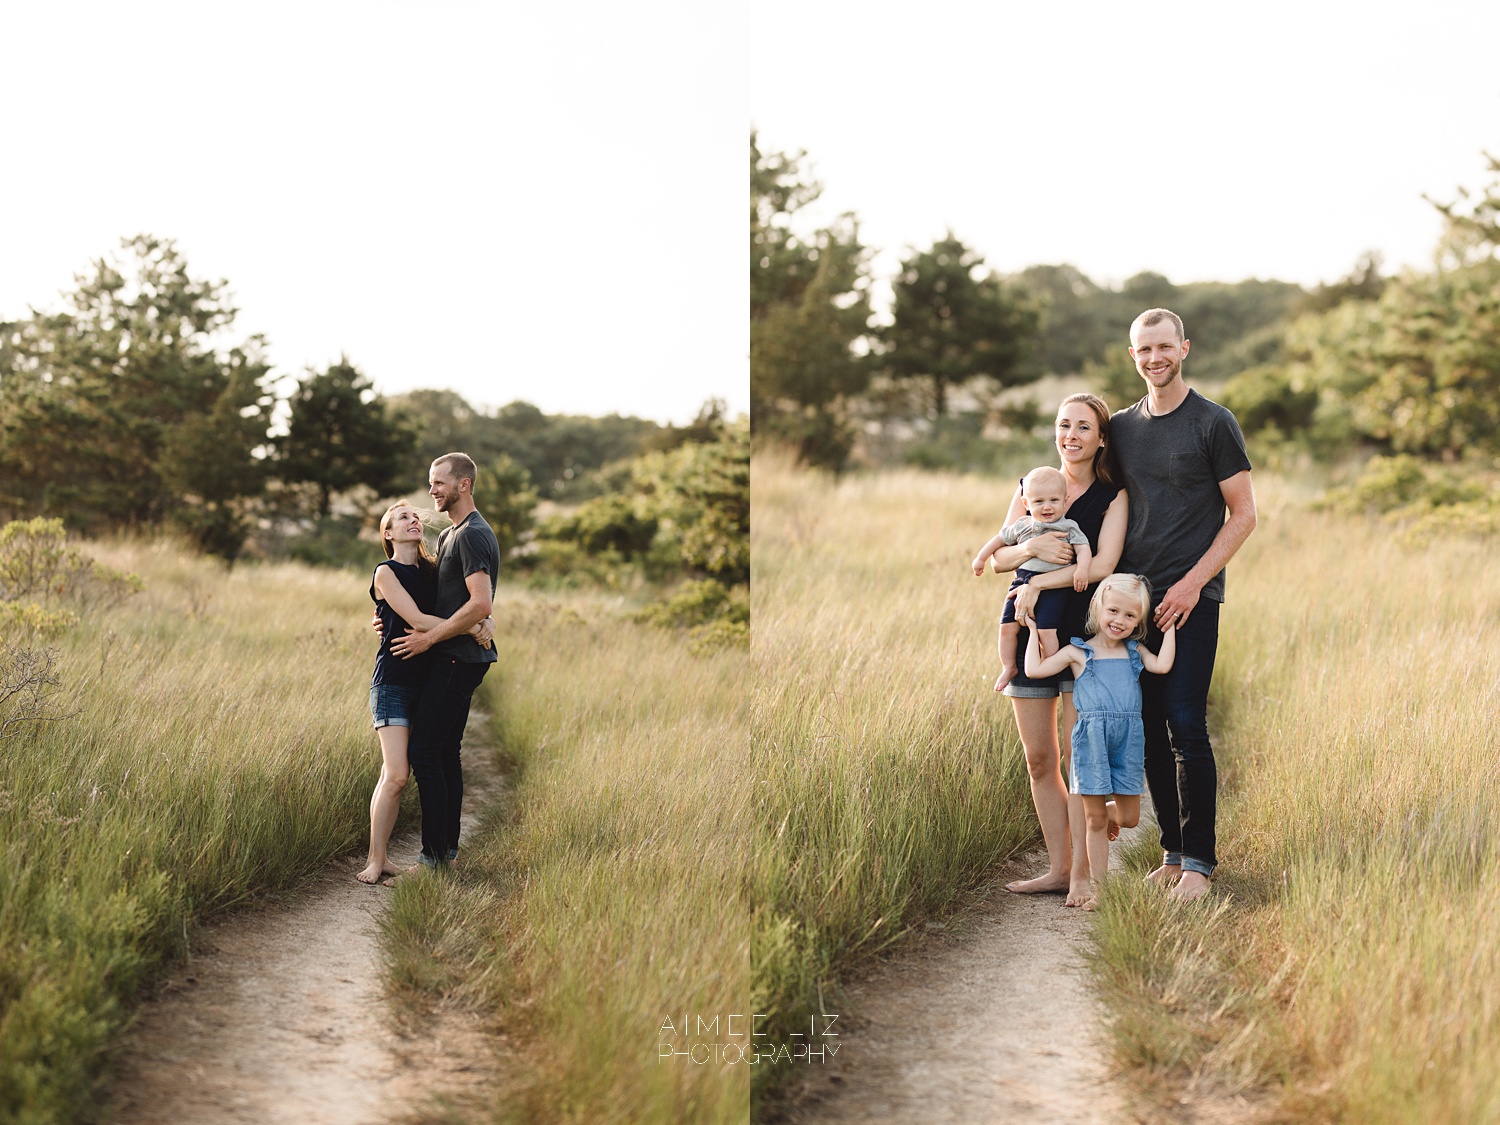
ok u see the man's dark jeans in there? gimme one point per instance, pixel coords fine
(437, 731)
(1180, 770)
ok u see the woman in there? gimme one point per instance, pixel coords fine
(1096, 501)
(404, 588)
(405, 591)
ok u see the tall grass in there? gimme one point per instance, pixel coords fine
(206, 712)
(611, 899)
(1352, 969)
(889, 778)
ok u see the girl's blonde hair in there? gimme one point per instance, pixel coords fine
(1127, 586)
(425, 557)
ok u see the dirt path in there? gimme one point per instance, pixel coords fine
(280, 1017)
(978, 1026)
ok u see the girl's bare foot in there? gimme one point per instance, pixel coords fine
(1078, 894)
(1007, 674)
(1165, 875)
(1089, 903)
(1041, 885)
(374, 872)
(1112, 820)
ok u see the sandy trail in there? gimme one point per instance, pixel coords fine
(280, 1016)
(980, 1025)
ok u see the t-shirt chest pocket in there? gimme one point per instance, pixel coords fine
(1186, 470)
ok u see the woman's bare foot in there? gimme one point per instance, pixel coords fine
(1007, 673)
(1192, 886)
(1089, 904)
(1078, 893)
(1166, 875)
(374, 872)
(1041, 885)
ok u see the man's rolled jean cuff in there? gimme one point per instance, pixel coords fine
(1172, 859)
(1190, 863)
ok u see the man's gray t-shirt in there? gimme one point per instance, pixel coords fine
(465, 548)
(1173, 465)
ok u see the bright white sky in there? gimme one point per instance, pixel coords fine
(533, 201)
(1201, 141)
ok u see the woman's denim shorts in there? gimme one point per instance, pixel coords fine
(391, 705)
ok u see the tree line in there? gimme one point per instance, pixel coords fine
(136, 406)
(1399, 365)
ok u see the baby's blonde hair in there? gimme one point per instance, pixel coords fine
(1043, 476)
(1129, 586)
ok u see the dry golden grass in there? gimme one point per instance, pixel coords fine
(204, 710)
(611, 900)
(888, 775)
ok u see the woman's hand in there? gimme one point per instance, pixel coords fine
(1050, 547)
(1025, 598)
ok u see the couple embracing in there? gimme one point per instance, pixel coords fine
(435, 648)
(1159, 492)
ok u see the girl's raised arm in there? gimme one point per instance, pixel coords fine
(1160, 662)
(1068, 656)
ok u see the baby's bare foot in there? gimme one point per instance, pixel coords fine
(1007, 674)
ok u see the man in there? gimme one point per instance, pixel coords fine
(468, 563)
(1185, 465)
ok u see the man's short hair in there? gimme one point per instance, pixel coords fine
(461, 465)
(1152, 317)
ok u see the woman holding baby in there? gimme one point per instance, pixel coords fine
(1089, 496)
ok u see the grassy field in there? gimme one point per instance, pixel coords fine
(1348, 971)
(1345, 968)
(176, 789)
(889, 779)
(609, 899)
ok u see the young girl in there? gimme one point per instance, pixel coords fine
(1109, 741)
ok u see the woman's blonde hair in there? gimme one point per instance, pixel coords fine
(425, 557)
(1127, 586)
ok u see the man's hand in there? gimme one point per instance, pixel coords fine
(1178, 605)
(413, 644)
(375, 623)
(1051, 546)
(484, 632)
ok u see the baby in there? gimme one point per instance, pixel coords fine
(1045, 491)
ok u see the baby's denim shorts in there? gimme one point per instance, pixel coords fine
(391, 705)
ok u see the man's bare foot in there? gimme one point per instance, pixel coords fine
(1041, 885)
(1007, 674)
(1192, 886)
(401, 875)
(1166, 875)
(373, 873)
